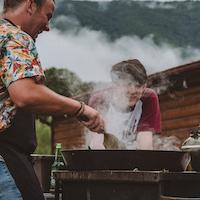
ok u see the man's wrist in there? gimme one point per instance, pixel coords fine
(81, 110)
(78, 112)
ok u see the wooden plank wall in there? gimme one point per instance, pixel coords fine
(180, 103)
(69, 132)
(180, 112)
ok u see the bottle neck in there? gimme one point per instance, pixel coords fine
(57, 154)
(58, 161)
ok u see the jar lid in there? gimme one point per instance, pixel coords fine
(190, 147)
(192, 142)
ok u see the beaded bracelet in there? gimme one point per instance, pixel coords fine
(79, 112)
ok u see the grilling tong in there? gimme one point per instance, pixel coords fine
(110, 141)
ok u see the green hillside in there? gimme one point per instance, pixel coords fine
(177, 23)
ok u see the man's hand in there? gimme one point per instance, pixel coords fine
(92, 119)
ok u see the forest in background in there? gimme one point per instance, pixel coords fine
(176, 23)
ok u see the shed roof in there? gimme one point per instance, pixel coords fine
(177, 70)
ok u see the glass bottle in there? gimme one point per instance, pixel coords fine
(192, 145)
(58, 164)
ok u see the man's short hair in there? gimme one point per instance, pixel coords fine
(132, 68)
(16, 3)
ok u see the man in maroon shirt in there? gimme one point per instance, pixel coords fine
(130, 109)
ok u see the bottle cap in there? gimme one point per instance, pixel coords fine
(58, 145)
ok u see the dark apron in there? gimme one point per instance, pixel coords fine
(16, 145)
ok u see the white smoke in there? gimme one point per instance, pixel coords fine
(158, 4)
(90, 54)
(170, 143)
(1, 6)
(103, 5)
(67, 21)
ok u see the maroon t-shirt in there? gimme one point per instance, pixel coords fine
(150, 118)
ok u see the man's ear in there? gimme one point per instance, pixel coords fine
(31, 6)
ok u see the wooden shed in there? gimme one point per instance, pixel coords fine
(179, 94)
(180, 98)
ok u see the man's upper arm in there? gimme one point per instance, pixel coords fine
(20, 61)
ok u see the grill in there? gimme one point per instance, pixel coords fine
(127, 185)
(125, 160)
(126, 175)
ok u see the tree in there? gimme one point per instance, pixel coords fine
(65, 82)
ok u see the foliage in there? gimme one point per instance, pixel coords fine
(43, 138)
(65, 82)
(177, 23)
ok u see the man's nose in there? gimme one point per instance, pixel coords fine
(47, 27)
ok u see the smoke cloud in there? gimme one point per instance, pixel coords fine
(1, 6)
(90, 54)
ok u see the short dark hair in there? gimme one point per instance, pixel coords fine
(16, 3)
(134, 68)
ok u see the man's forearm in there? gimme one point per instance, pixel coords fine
(27, 94)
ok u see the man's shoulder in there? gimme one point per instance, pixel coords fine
(11, 32)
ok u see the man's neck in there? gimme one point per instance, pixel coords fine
(9, 21)
(16, 17)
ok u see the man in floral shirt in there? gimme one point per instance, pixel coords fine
(22, 94)
(25, 64)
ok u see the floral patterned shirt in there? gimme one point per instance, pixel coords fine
(18, 60)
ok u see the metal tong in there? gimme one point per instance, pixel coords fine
(110, 141)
